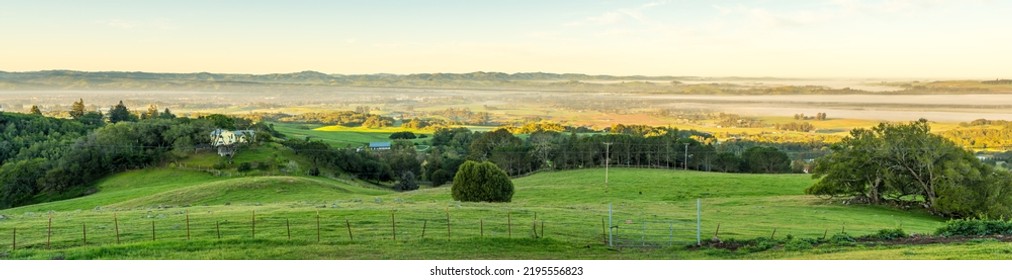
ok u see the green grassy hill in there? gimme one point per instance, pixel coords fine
(652, 209)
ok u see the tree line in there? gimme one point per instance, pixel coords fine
(541, 150)
(46, 158)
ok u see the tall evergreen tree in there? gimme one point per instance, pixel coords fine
(120, 113)
(35, 110)
(167, 114)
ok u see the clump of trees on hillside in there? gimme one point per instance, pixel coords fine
(905, 164)
(43, 158)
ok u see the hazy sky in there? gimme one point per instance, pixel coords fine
(831, 38)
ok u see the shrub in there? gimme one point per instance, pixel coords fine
(244, 167)
(889, 234)
(797, 244)
(974, 228)
(842, 239)
(407, 182)
(760, 244)
(220, 165)
(440, 177)
(482, 182)
(315, 171)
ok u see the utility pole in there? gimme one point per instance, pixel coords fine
(607, 156)
(686, 164)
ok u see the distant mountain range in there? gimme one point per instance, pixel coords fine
(67, 79)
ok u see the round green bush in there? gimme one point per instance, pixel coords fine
(484, 181)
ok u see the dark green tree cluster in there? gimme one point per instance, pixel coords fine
(905, 164)
(120, 113)
(32, 136)
(663, 148)
(757, 159)
(66, 168)
(366, 164)
(403, 135)
(44, 158)
(481, 182)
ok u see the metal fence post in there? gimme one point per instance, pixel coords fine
(643, 234)
(671, 235)
(610, 228)
(699, 204)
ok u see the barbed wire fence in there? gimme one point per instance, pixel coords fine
(615, 228)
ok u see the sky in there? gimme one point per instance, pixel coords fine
(764, 38)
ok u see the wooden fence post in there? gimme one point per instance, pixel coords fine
(187, 225)
(393, 225)
(254, 229)
(288, 226)
(49, 231)
(448, 225)
(152, 230)
(217, 228)
(717, 233)
(774, 233)
(317, 226)
(84, 233)
(14, 239)
(481, 225)
(604, 233)
(542, 228)
(350, 237)
(115, 221)
(424, 224)
(509, 224)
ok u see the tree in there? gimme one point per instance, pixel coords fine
(93, 119)
(906, 164)
(376, 122)
(481, 148)
(403, 135)
(481, 182)
(18, 181)
(407, 182)
(77, 109)
(167, 114)
(151, 113)
(244, 167)
(727, 162)
(35, 110)
(120, 113)
(766, 160)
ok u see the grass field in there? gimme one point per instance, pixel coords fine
(342, 136)
(554, 215)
